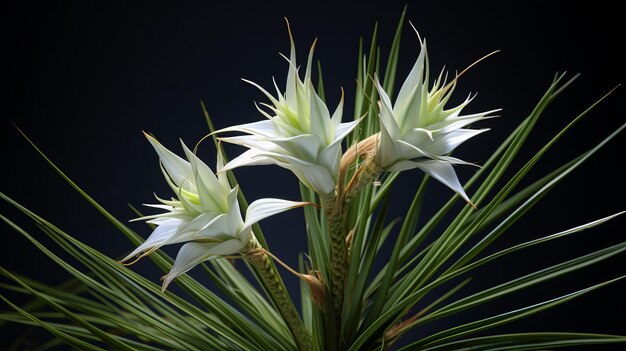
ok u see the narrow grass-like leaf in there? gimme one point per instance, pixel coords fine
(68, 339)
(529, 280)
(528, 341)
(360, 267)
(99, 261)
(503, 318)
(389, 81)
(408, 226)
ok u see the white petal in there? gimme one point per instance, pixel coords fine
(161, 235)
(451, 124)
(447, 143)
(413, 112)
(263, 208)
(210, 190)
(251, 157)
(330, 158)
(320, 118)
(413, 80)
(164, 217)
(386, 153)
(221, 176)
(412, 153)
(336, 118)
(331, 155)
(193, 253)
(307, 73)
(314, 176)
(264, 128)
(302, 107)
(402, 165)
(444, 173)
(177, 168)
(235, 222)
(160, 206)
(292, 75)
(216, 228)
(455, 161)
(408, 151)
(343, 129)
(252, 142)
(265, 92)
(303, 146)
(386, 114)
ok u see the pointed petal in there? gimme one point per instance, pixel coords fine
(263, 208)
(307, 73)
(330, 158)
(161, 235)
(444, 173)
(452, 123)
(412, 81)
(252, 142)
(414, 112)
(386, 114)
(221, 176)
(447, 143)
(216, 228)
(336, 118)
(408, 151)
(168, 179)
(235, 222)
(177, 168)
(316, 177)
(303, 146)
(320, 118)
(210, 190)
(265, 92)
(263, 128)
(343, 129)
(386, 153)
(402, 165)
(251, 157)
(193, 253)
(292, 75)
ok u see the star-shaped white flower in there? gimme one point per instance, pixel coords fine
(299, 133)
(417, 131)
(205, 215)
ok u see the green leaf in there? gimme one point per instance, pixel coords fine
(528, 341)
(500, 319)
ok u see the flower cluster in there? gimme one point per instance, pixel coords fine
(300, 134)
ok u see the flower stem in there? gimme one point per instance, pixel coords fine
(338, 271)
(277, 292)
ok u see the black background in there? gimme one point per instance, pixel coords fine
(83, 80)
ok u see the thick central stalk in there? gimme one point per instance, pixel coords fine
(262, 263)
(338, 271)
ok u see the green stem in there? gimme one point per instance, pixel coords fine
(277, 292)
(335, 209)
(334, 214)
(338, 271)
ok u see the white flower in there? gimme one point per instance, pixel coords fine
(299, 133)
(205, 215)
(418, 131)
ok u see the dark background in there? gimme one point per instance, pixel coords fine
(83, 80)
